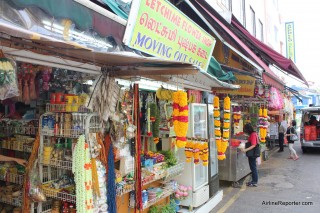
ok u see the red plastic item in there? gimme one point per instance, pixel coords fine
(59, 97)
(52, 98)
(235, 142)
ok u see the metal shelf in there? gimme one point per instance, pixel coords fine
(65, 133)
(66, 108)
(60, 164)
(13, 178)
(59, 195)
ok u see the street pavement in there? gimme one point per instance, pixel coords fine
(292, 186)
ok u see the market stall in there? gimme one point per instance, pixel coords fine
(249, 105)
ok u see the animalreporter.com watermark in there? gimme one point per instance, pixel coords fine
(287, 203)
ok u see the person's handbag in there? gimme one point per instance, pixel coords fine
(255, 152)
(293, 137)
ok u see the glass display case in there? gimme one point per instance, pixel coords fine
(194, 175)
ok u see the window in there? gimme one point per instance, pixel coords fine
(227, 4)
(243, 12)
(276, 34)
(260, 31)
(252, 27)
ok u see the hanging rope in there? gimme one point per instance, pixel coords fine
(111, 176)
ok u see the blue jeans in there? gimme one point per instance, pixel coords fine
(253, 168)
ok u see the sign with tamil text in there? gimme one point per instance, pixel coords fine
(290, 41)
(247, 84)
(158, 28)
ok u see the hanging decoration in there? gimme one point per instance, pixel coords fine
(204, 154)
(226, 124)
(81, 168)
(155, 120)
(236, 115)
(180, 117)
(188, 150)
(263, 124)
(8, 79)
(217, 130)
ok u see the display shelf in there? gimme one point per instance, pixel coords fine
(60, 164)
(166, 193)
(12, 178)
(66, 108)
(52, 193)
(12, 201)
(127, 189)
(64, 133)
(19, 130)
(174, 171)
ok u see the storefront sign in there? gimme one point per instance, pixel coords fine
(290, 41)
(247, 85)
(158, 28)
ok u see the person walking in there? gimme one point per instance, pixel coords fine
(290, 132)
(253, 142)
(282, 131)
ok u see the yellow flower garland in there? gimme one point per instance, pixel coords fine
(226, 125)
(263, 118)
(180, 117)
(217, 131)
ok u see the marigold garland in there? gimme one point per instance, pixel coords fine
(236, 116)
(263, 124)
(217, 131)
(189, 151)
(226, 124)
(205, 154)
(180, 117)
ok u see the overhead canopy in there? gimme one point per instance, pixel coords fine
(27, 46)
(268, 53)
(209, 14)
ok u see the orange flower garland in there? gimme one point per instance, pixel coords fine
(226, 124)
(180, 117)
(217, 131)
(263, 124)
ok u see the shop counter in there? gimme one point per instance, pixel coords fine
(235, 166)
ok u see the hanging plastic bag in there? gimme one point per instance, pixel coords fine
(8, 78)
(35, 192)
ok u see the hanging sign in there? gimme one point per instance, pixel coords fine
(158, 28)
(247, 85)
(290, 41)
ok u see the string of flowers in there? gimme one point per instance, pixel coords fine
(188, 151)
(81, 167)
(217, 131)
(204, 154)
(226, 124)
(180, 117)
(236, 115)
(263, 124)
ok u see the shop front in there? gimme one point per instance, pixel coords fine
(100, 129)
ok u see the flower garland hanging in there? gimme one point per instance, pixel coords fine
(205, 154)
(217, 131)
(154, 119)
(180, 117)
(188, 150)
(236, 115)
(263, 124)
(226, 124)
(81, 167)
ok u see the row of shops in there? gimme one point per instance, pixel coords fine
(143, 113)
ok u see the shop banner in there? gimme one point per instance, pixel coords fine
(158, 28)
(247, 85)
(290, 41)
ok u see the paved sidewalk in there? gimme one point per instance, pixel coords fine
(295, 184)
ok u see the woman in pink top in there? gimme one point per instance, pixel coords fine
(253, 140)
